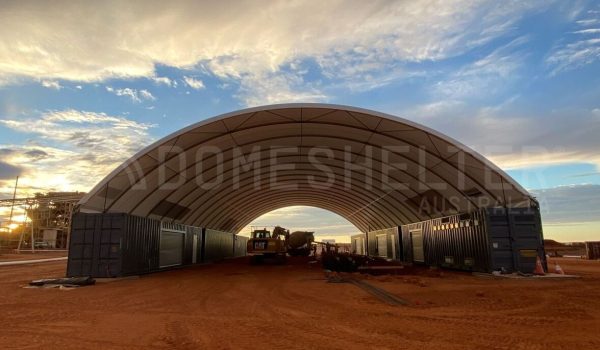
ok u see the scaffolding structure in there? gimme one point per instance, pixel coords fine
(46, 221)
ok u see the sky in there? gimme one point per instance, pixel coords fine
(84, 85)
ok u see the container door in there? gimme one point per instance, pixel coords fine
(416, 238)
(171, 248)
(526, 235)
(382, 250)
(195, 249)
(358, 245)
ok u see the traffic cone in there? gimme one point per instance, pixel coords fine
(539, 269)
(558, 269)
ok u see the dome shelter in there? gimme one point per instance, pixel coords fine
(378, 171)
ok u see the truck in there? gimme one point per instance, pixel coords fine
(300, 243)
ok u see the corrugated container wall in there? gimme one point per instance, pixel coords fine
(218, 245)
(115, 244)
(241, 244)
(109, 245)
(458, 241)
(358, 244)
(385, 243)
(515, 233)
(194, 241)
(592, 250)
(485, 240)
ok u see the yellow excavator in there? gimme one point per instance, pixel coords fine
(264, 244)
(274, 246)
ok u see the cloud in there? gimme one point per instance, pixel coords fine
(514, 139)
(146, 95)
(574, 55)
(588, 31)
(194, 83)
(37, 154)
(569, 204)
(488, 75)
(263, 88)
(570, 213)
(9, 171)
(584, 49)
(73, 149)
(51, 84)
(248, 45)
(133, 94)
(164, 81)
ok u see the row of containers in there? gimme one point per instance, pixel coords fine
(487, 240)
(114, 245)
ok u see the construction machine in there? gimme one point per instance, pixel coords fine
(300, 243)
(264, 244)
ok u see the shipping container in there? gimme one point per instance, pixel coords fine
(116, 244)
(485, 240)
(592, 250)
(358, 244)
(218, 245)
(241, 244)
(384, 243)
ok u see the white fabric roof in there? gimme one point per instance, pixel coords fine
(440, 175)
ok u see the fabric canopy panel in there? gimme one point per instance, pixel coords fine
(375, 170)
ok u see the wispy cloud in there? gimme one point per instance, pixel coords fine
(578, 51)
(51, 84)
(488, 75)
(164, 81)
(265, 88)
(194, 83)
(574, 55)
(133, 94)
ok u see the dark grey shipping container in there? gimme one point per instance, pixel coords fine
(592, 250)
(116, 244)
(358, 244)
(241, 244)
(515, 232)
(485, 240)
(385, 243)
(218, 245)
(458, 241)
(110, 245)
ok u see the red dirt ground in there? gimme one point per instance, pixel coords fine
(232, 305)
